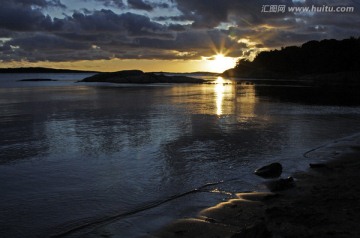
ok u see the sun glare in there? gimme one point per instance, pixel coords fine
(219, 63)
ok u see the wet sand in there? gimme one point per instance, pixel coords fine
(324, 203)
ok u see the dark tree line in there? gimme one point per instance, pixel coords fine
(313, 57)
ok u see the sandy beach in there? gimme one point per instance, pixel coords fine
(325, 202)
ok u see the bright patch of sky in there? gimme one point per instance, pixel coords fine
(225, 26)
(4, 40)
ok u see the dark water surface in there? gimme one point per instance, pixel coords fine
(112, 156)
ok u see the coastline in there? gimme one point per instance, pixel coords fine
(324, 203)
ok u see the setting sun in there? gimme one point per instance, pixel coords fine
(220, 63)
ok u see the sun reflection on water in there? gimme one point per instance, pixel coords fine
(223, 90)
(219, 94)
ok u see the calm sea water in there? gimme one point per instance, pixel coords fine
(121, 160)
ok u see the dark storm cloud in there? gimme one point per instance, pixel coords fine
(46, 42)
(140, 5)
(162, 5)
(112, 3)
(146, 5)
(177, 27)
(108, 21)
(104, 30)
(37, 3)
(18, 17)
(5, 33)
(188, 29)
(40, 47)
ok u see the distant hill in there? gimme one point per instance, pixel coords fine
(41, 70)
(327, 61)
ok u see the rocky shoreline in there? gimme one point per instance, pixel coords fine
(323, 203)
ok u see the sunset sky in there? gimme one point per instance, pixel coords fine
(159, 35)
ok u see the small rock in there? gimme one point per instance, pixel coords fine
(281, 184)
(273, 170)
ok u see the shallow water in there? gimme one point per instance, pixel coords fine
(73, 154)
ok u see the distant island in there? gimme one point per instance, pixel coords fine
(326, 62)
(139, 77)
(37, 80)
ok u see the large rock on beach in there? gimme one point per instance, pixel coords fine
(273, 170)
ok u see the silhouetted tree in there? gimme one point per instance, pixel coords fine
(313, 57)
